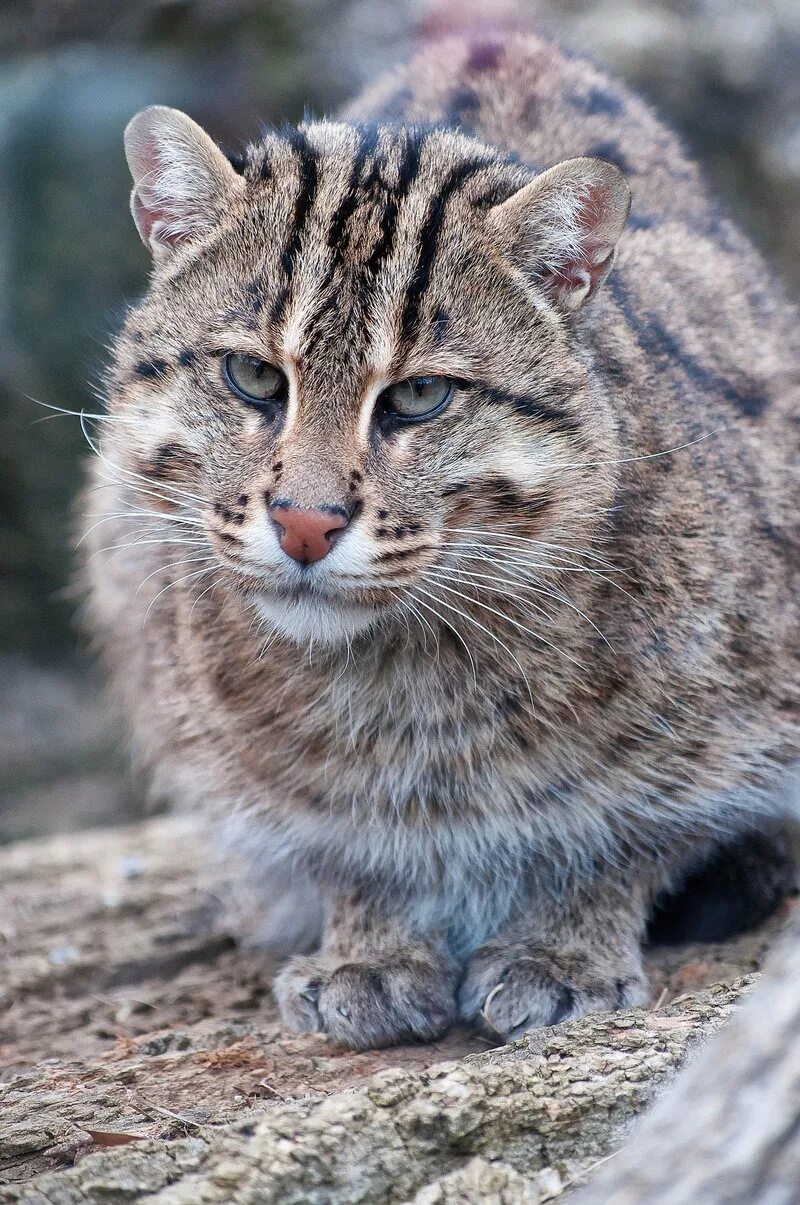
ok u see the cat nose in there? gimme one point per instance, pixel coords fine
(307, 535)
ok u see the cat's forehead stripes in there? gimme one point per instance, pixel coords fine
(363, 228)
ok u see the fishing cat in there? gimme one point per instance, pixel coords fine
(444, 528)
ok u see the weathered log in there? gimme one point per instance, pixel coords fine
(729, 1131)
(130, 1017)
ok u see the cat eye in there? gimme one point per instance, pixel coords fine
(418, 398)
(254, 380)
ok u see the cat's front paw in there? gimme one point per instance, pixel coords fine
(395, 998)
(511, 987)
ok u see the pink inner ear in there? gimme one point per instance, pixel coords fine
(152, 223)
(143, 217)
(576, 271)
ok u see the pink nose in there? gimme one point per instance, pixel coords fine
(307, 535)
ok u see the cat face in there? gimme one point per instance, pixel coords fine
(356, 372)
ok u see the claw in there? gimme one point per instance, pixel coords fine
(485, 1010)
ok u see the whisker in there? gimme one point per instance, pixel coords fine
(174, 565)
(173, 491)
(177, 582)
(470, 577)
(483, 628)
(591, 464)
(513, 622)
(528, 541)
(423, 624)
(154, 517)
(451, 628)
(172, 541)
(63, 412)
(202, 594)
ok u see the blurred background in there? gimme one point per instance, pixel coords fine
(726, 73)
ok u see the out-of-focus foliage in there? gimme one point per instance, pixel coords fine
(726, 72)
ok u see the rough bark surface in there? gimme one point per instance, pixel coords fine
(733, 1117)
(142, 1058)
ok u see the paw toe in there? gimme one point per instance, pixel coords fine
(509, 997)
(364, 1005)
(297, 989)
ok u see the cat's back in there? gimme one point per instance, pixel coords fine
(529, 97)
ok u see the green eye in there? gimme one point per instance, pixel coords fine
(418, 398)
(254, 380)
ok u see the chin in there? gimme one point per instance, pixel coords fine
(310, 620)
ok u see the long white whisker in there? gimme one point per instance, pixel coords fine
(528, 541)
(591, 464)
(177, 582)
(507, 618)
(186, 560)
(139, 543)
(61, 410)
(483, 628)
(173, 492)
(451, 628)
(497, 583)
(423, 624)
(476, 579)
(202, 594)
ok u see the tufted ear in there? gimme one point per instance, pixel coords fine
(561, 230)
(182, 182)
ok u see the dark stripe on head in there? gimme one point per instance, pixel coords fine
(409, 166)
(553, 417)
(402, 554)
(170, 462)
(308, 165)
(508, 495)
(428, 241)
(337, 234)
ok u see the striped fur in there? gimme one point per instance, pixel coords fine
(555, 654)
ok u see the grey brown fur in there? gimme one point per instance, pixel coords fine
(568, 662)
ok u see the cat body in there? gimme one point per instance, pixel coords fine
(493, 675)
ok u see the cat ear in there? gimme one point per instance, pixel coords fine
(562, 229)
(182, 182)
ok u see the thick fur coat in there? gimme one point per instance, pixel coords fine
(551, 657)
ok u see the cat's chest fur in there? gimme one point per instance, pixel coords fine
(392, 760)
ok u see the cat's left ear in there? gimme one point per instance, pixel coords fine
(182, 182)
(561, 230)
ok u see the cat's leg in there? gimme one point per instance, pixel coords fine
(565, 958)
(371, 983)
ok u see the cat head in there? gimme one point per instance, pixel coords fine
(357, 366)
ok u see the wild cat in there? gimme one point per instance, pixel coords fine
(446, 529)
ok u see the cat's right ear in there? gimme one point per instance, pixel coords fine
(182, 182)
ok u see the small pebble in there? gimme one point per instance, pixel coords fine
(131, 866)
(62, 955)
